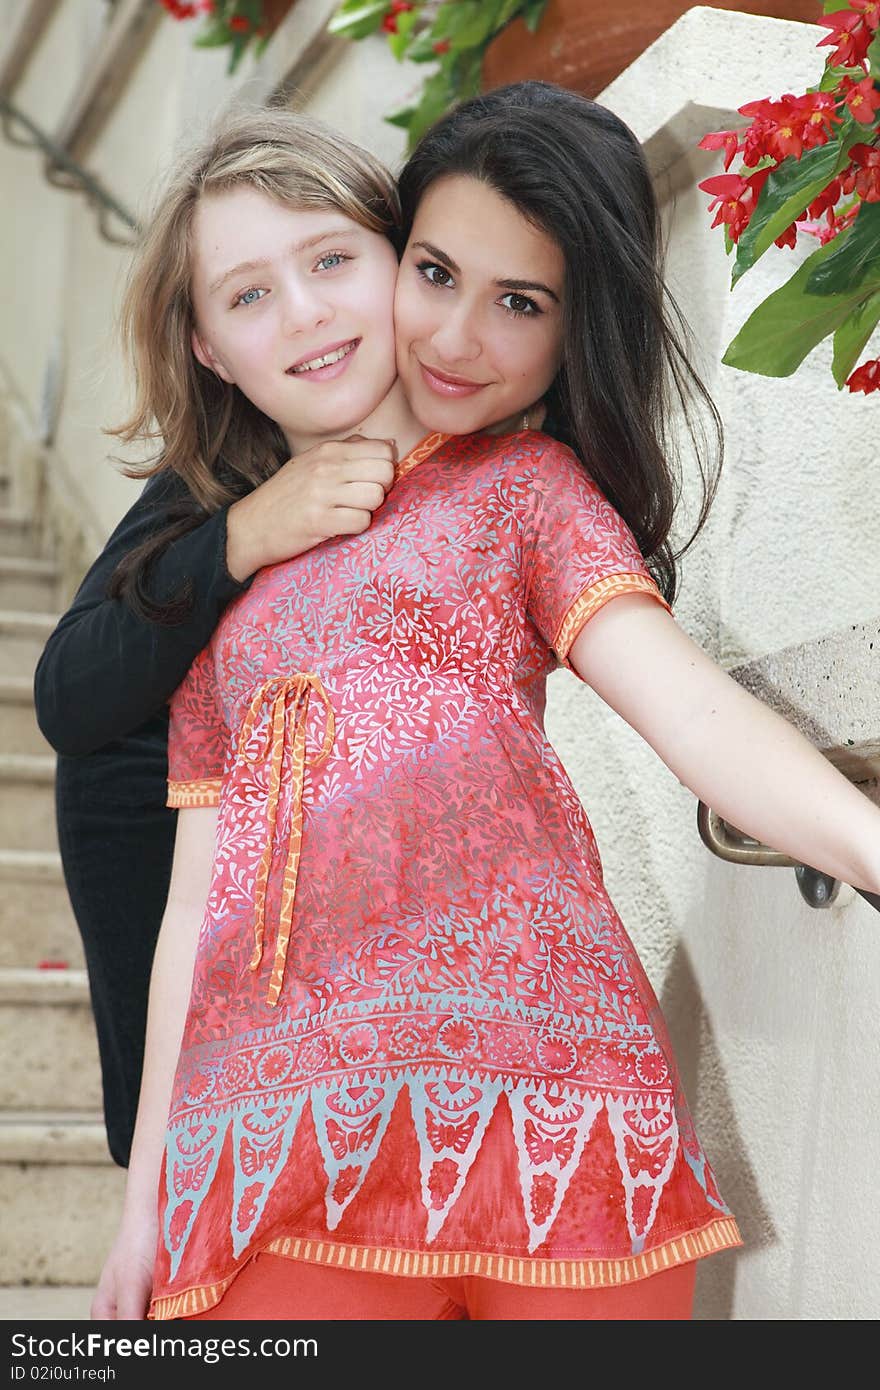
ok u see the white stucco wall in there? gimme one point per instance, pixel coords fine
(770, 1004)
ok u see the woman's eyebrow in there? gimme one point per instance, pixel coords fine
(528, 285)
(332, 234)
(515, 285)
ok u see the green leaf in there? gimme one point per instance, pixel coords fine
(402, 118)
(421, 49)
(358, 20)
(214, 35)
(398, 42)
(855, 255)
(438, 94)
(790, 189)
(873, 56)
(533, 13)
(781, 332)
(467, 22)
(832, 77)
(852, 335)
(790, 323)
(237, 47)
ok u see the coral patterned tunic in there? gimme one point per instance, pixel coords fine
(419, 1039)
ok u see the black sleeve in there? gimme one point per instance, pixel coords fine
(105, 671)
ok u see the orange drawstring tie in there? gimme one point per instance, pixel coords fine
(282, 695)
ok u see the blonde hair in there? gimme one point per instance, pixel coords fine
(211, 435)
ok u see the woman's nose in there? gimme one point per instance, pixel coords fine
(457, 338)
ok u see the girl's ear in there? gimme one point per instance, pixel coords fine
(205, 354)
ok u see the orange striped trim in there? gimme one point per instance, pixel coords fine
(594, 597)
(204, 793)
(721, 1234)
(423, 450)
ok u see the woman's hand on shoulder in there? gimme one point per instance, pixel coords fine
(329, 490)
(126, 1282)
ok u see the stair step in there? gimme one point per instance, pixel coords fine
(36, 921)
(46, 1024)
(19, 730)
(27, 584)
(22, 639)
(18, 534)
(46, 1303)
(27, 801)
(61, 1197)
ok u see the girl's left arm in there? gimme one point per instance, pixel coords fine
(739, 757)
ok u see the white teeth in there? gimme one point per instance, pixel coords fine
(324, 361)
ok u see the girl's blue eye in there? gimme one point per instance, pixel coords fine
(519, 304)
(332, 260)
(435, 274)
(245, 298)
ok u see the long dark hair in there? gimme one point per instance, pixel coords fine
(577, 172)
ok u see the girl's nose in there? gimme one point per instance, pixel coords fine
(304, 308)
(457, 338)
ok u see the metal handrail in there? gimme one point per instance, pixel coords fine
(735, 847)
(63, 172)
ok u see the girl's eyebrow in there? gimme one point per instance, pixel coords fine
(515, 285)
(244, 266)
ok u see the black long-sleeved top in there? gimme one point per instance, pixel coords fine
(106, 672)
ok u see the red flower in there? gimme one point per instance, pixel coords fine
(726, 140)
(850, 31)
(826, 199)
(179, 10)
(867, 175)
(441, 46)
(788, 237)
(831, 225)
(240, 24)
(862, 98)
(787, 127)
(735, 199)
(389, 23)
(866, 377)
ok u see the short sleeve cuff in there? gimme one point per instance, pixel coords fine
(203, 793)
(594, 597)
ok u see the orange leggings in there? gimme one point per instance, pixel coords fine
(271, 1287)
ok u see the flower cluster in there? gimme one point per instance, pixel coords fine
(452, 35)
(781, 169)
(233, 22)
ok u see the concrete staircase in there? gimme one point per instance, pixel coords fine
(60, 1192)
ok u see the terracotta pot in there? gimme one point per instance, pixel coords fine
(274, 11)
(585, 44)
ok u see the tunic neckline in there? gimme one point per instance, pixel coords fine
(423, 450)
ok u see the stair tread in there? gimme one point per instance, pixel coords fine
(43, 865)
(28, 767)
(22, 984)
(24, 623)
(34, 567)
